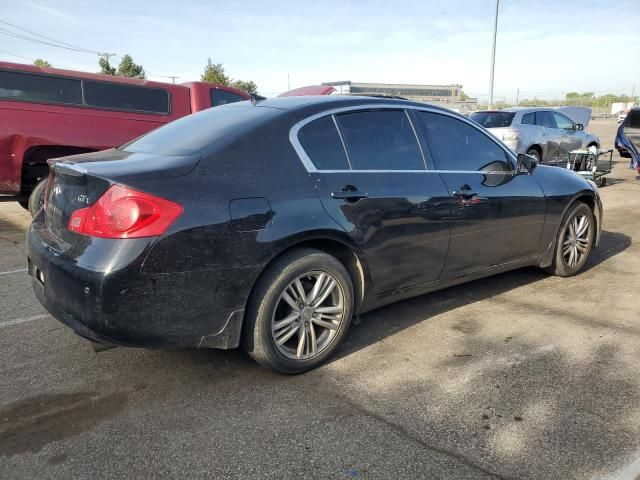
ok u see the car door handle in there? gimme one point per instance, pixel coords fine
(349, 195)
(464, 193)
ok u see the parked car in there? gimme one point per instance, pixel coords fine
(49, 113)
(270, 224)
(545, 133)
(621, 117)
(627, 140)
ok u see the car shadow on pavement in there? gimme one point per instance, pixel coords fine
(377, 325)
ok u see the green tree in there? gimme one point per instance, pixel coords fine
(572, 95)
(250, 87)
(42, 63)
(214, 73)
(128, 68)
(105, 66)
(464, 97)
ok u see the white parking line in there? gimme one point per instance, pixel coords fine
(18, 321)
(628, 472)
(13, 271)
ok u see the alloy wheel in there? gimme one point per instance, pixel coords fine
(308, 315)
(577, 237)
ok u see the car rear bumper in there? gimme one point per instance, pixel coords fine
(128, 308)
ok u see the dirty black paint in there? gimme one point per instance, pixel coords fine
(248, 198)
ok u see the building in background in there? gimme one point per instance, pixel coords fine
(449, 96)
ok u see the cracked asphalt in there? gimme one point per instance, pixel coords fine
(519, 376)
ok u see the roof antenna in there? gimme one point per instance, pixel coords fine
(255, 98)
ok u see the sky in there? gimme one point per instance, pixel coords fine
(545, 48)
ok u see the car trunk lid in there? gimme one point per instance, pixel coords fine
(79, 181)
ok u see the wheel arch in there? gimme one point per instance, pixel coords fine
(537, 148)
(587, 197)
(34, 162)
(333, 243)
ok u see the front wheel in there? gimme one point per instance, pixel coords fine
(574, 241)
(299, 312)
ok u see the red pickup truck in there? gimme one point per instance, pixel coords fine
(49, 113)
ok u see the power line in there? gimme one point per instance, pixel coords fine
(15, 55)
(59, 44)
(47, 38)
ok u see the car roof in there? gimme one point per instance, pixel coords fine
(328, 102)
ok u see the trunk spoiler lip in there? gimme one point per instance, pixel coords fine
(66, 167)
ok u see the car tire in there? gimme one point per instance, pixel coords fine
(36, 199)
(311, 336)
(573, 244)
(534, 153)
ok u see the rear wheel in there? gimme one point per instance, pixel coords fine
(534, 153)
(36, 199)
(574, 241)
(299, 312)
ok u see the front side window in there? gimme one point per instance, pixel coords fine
(545, 119)
(125, 97)
(222, 97)
(322, 143)
(40, 88)
(380, 140)
(562, 121)
(458, 146)
(528, 118)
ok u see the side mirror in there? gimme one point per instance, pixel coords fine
(526, 164)
(579, 127)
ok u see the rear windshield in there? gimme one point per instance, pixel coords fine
(493, 119)
(193, 133)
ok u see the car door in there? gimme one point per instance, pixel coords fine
(370, 174)
(571, 138)
(551, 137)
(497, 217)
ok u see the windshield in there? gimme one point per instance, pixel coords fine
(193, 133)
(493, 119)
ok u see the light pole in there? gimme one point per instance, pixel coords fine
(493, 55)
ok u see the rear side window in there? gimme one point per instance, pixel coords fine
(222, 97)
(633, 119)
(545, 119)
(40, 88)
(126, 97)
(380, 140)
(493, 119)
(528, 118)
(322, 143)
(458, 146)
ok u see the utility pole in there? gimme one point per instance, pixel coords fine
(173, 78)
(493, 55)
(107, 56)
(288, 81)
(518, 97)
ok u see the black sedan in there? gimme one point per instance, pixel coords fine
(270, 224)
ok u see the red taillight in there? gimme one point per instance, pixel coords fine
(125, 213)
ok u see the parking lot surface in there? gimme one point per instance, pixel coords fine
(520, 375)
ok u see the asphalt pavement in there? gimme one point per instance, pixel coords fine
(517, 376)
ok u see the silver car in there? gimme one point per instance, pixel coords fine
(545, 133)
